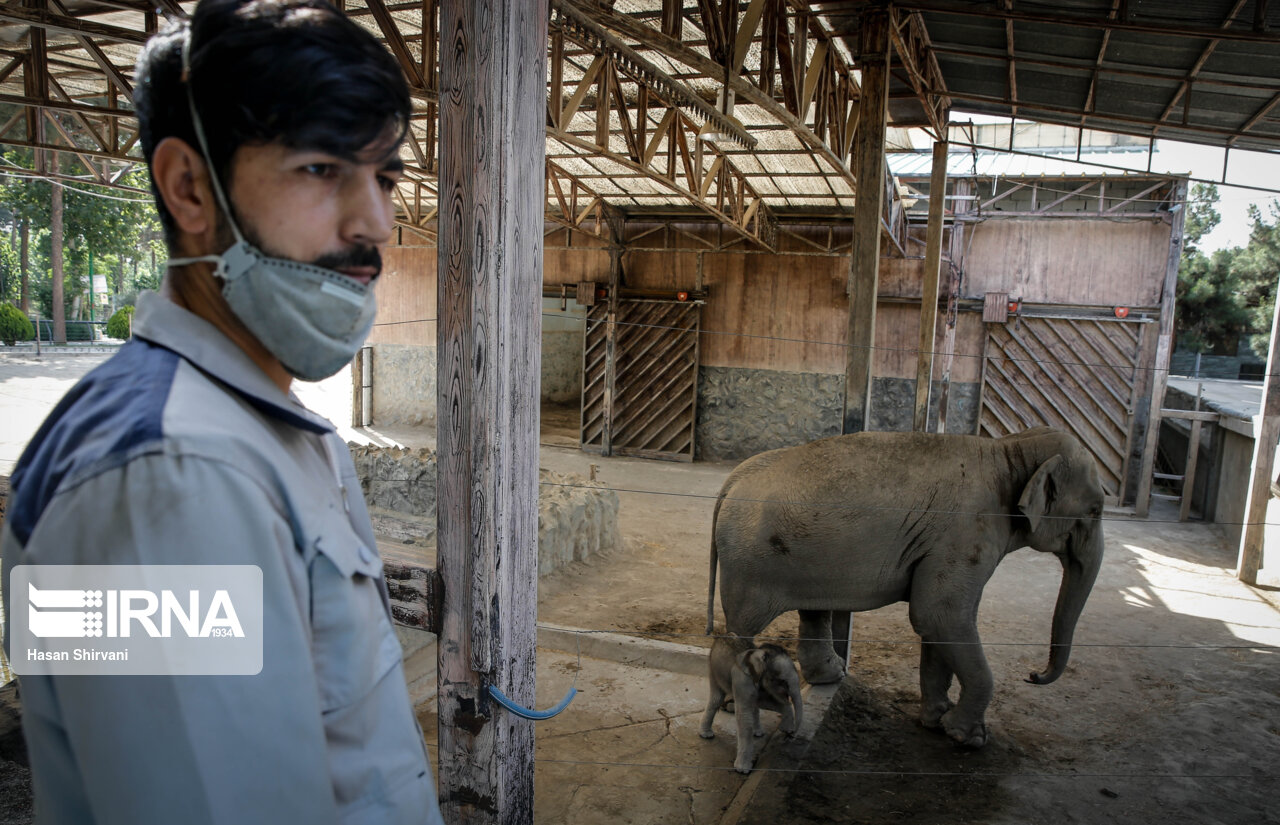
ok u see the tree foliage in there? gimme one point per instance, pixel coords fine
(119, 228)
(1231, 292)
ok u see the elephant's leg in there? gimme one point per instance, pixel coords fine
(944, 610)
(713, 705)
(935, 682)
(818, 660)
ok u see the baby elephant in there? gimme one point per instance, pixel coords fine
(754, 678)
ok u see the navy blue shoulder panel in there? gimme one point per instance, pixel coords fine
(110, 413)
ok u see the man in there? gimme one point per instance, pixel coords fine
(272, 131)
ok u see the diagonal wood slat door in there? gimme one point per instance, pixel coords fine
(643, 402)
(1076, 374)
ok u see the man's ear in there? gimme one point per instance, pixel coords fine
(182, 179)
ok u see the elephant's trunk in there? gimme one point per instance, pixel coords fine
(1080, 565)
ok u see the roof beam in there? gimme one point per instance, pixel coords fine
(66, 106)
(1090, 100)
(1102, 68)
(1254, 119)
(1121, 124)
(1185, 87)
(970, 9)
(70, 25)
(745, 90)
(724, 195)
(395, 41)
(916, 54)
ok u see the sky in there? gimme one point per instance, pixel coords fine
(1253, 168)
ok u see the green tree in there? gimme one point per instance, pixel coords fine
(1257, 265)
(120, 229)
(1210, 308)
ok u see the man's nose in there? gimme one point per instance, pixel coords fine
(368, 214)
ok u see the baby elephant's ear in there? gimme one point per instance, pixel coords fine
(754, 662)
(1040, 491)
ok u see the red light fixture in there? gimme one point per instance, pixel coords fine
(1122, 312)
(682, 296)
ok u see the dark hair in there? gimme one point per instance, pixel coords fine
(298, 72)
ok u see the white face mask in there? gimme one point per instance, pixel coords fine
(312, 319)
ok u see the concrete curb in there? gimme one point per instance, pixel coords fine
(652, 654)
(624, 649)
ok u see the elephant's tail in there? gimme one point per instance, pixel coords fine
(711, 579)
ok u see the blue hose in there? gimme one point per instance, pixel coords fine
(525, 713)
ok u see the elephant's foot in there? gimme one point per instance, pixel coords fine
(966, 734)
(707, 733)
(931, 713)
(820, 666)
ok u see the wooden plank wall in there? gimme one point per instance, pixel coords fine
(789, 311)
(1076, 261)
(406, 297)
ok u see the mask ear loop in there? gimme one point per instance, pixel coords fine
(223, 201)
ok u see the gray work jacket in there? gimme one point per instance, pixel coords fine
(180, 450)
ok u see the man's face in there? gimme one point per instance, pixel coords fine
(314, 207)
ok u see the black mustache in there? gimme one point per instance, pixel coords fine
(357, 256)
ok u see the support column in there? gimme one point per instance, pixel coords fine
(492, 160)
(1164, 349)
(929, 291)
(873, 112)
(1266, 431)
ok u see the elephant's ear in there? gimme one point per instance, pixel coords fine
(753, 662)
(1039, 492)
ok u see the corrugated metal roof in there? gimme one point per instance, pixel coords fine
(911, 165)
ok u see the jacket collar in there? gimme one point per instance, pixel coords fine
(162, 322)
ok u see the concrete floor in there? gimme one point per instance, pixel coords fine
(627, 750)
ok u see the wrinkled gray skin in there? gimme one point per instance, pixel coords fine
(754, 678)
(860, 521)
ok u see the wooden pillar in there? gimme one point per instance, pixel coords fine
(1164, 348)
(1266, 431)
(929, 291)
(955, 278)
(873, 111)
(492, 161)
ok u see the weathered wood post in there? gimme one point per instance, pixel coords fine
(929, 290)
(492, 159)
(1266, 430)
(873, 112)
(1164, 349)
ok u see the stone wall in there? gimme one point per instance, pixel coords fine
(577, 518)
(742, 412)
(404, 384)
(404, 376)
(562, 351)
(893, 405)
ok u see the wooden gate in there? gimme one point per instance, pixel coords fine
(640, 379)
(1078, 374)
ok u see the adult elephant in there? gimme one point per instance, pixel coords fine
(856, 522)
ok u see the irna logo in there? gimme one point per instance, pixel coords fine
(80, 613)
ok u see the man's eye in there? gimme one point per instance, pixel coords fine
(321, 170)
(388, 184)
